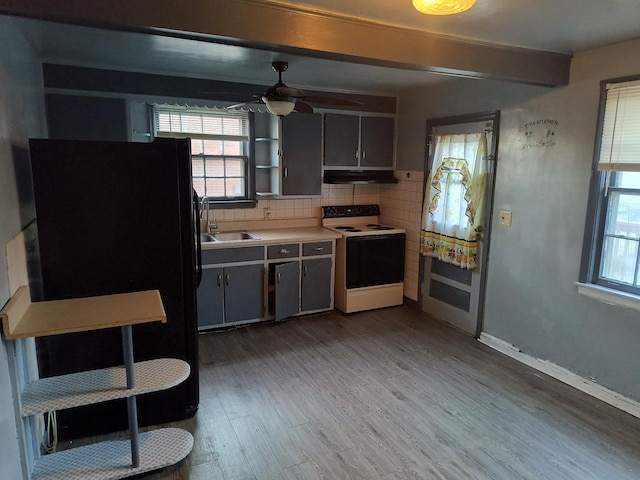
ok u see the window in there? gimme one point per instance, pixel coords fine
(221, 165)
(611, 256)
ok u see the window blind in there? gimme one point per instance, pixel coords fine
(620, 143)
(213, 125)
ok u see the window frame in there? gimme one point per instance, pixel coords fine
(249, 199)
(602, 182)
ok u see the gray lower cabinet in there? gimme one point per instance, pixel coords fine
(287, 290)
(211, 298)
(232, 290)
(316, 284)
(230, 294)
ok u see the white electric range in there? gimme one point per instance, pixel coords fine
(369, 258)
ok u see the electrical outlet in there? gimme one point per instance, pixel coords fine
(505, 219)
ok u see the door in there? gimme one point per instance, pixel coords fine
(377, 135)
(287, 289)
(449, 293)
(316, 284)
(375, 260)
(302, 154)
(341, 140)
(243, 292)
(210, 298)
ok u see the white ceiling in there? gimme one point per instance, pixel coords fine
(566, 26)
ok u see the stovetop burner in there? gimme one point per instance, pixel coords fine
(356, 220)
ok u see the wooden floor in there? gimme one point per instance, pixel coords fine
(391, 394)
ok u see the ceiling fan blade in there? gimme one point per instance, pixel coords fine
(238, 105)
(303, 107)
(332, 101)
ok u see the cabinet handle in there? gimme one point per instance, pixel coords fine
(304, 271)
(219, 279)
(284, 251)
(286, 172)
(318, 249)
(278, 278)
(226, 279)
(355, 155)
(364, 154)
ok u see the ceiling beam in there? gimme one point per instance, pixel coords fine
(272, 26)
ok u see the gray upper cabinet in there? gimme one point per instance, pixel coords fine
(358, 141)
(341, 140)
(376, 149)
(301, 150)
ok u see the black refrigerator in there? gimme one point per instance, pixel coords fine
(115, 217)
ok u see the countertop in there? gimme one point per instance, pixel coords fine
(279, 235)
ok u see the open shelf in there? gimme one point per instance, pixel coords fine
(112, 459)
(139, 454)
(95, 386)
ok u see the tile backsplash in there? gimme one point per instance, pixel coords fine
(401, 205)
(276, 208)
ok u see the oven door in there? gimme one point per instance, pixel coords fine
(375, 260)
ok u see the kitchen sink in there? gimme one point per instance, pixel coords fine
(227, 237)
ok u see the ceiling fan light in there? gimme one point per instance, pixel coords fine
(443, 7)
(279, 107)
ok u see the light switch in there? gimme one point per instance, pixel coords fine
(505, 219)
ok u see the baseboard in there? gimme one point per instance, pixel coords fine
(566, 376)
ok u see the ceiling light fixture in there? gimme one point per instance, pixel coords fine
(282, 108)
(443, 7)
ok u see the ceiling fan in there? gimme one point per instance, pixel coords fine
(281, 100)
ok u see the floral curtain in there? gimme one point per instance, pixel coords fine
(452, 215)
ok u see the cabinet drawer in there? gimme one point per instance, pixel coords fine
(231, 255)
(316, 248)
(283, 251)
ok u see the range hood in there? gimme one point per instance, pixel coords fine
(359, 176)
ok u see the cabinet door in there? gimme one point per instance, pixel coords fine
(243, 290)
(287, 289)
(210, 295)
(316, 284)
(302, 154)
(341, 140)
(377, 142)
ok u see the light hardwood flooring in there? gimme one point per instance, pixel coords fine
(391, 394)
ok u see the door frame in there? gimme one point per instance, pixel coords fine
(491, 116)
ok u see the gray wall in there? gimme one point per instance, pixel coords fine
(21, 116)
(532, 301)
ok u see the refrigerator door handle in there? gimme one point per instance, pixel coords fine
(196, 223)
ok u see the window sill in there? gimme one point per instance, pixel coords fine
(233, 204)
(609, 296)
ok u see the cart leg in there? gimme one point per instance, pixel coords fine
(132, 410)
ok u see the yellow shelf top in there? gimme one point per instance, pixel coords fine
(23, 319)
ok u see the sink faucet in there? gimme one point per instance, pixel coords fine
(204, 206)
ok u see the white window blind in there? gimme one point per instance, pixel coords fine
(620, 144)
(212, 125)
